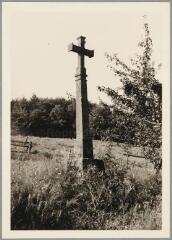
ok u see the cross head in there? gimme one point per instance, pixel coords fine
(81, 50)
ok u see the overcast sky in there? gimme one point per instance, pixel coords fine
(36, 37)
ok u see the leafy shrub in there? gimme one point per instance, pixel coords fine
(139, 99)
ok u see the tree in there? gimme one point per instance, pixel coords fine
(100, 120)
(140, 97)
(58, 116)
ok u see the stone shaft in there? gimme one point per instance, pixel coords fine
(84, 145)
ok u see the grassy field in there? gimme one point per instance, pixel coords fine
(47, 194)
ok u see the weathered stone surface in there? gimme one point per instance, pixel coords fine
(84, 145)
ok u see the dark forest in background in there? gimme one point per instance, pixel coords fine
(47, 117)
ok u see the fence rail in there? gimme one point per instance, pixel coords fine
(26, 144)
(132, 155)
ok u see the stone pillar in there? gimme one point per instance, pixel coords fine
(84, 145)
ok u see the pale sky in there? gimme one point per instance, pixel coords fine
(37, 35)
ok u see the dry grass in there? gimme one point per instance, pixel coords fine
(46, 194)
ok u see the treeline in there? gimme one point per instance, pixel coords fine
(43, 117)
(47, 117)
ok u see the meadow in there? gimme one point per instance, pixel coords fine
(48, 192)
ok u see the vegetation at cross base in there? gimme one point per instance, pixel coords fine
(139, 99)
(48, 193)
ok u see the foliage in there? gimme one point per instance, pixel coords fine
(44, 117)
(55, 117)
(51, 197)
(139, 98)
(100, 120)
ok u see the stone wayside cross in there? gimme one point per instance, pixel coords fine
(84, 145)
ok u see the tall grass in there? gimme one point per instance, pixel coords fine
(49, 196)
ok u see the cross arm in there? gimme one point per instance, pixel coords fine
(89, 53)
(73, 48)
(80, 50)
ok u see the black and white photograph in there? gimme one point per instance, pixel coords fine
(86, 105)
